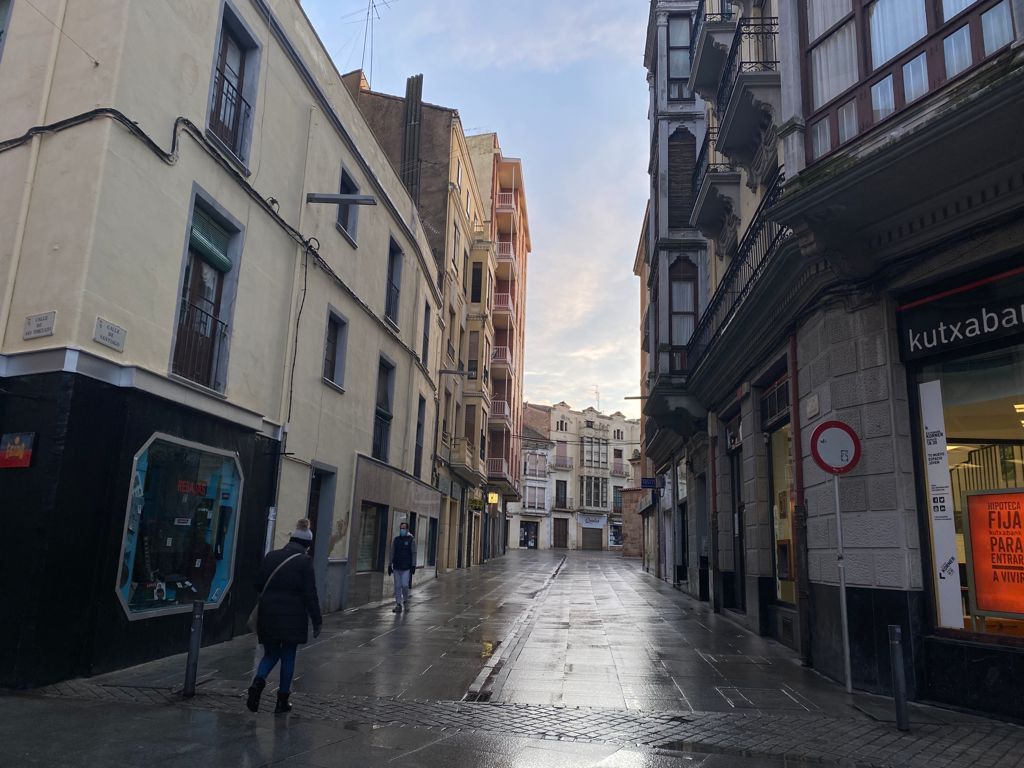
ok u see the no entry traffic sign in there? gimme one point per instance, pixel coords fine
(835, 447)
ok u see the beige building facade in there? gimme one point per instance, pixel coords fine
(195, 353)
(576, 467)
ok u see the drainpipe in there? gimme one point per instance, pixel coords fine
(803, 586)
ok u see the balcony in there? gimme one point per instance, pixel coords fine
(498, 475)
(754, 253)
(621, 468)
(750, 86)
(381, 436)
(230, 114)
(501, 413)
(562, 462)
(464, 462)
(507, 202)
(716, 188)
(199, 347)
(502, 363)
(504, 314)
(563, 504)
(508, 260)
(710, 40)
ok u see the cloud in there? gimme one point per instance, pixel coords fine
(563, 85)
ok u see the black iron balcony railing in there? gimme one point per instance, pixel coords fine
(391, 303)
(230, 113)
(755, 48)
(754, 252)
(381, 435)
(709, 160)
(700, 18)
(199, 345)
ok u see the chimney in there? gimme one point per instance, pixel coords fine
(411, 136)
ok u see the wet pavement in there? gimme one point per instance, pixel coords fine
(534, 659)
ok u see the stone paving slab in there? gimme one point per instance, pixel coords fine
(792, 736)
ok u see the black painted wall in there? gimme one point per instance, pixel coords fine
(63, 519)
(870, 613)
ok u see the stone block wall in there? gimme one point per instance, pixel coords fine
(849, 371)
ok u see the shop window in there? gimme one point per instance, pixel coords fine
(179, 538)
(973, 416)
(370, 555)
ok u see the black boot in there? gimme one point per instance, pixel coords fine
(282, 704)
(255, 691)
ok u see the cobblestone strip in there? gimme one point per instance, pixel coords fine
(810, 738)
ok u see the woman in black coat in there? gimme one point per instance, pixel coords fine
(287, 604)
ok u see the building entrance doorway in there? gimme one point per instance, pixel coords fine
(528, 535)
(561, 533)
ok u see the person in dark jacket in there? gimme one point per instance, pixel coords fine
(402, 564)
(288, 603)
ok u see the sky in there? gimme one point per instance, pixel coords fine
(562, 83)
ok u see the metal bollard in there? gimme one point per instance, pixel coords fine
(899, 678)
(195, 638)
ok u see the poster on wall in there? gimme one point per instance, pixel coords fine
(946, 574)
(996, 541)
(16, 450)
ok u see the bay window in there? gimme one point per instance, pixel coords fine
(886, 55)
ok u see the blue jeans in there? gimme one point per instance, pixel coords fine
(273, 653)
(402, 585)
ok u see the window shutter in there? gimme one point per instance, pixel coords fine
(210, 240)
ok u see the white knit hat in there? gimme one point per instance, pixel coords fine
(302, 531)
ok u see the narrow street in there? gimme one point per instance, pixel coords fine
(533, 659)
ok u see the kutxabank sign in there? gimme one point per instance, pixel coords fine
(976, 312)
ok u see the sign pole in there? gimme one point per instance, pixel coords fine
(843, 619)
(835, 448)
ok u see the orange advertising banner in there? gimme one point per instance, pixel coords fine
(997, 551)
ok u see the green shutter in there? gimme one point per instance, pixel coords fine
(210, 240)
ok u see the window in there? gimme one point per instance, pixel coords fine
(201, 342)
(473, 363)
(467, 205)
(179, 538)
(370, 555)
(394, 285)
(847, 121)
(421, 418)
(534, 497)
(883, 101)
(465, 271)
(894, 26)
(348, 213)
(334, 350)
(458, 173)
(233, 85)
(951, 8)
(683, 304)
(821, 138)
(915, 78)
(594, 491)
(383, 412)
(478, 272)
(834, 64)
(678, 57)
(5, 9)
(456, 239)
(588, 424)
(470, 428)
(561, 498)
(996, 27)
(425, 350)
(957, 48)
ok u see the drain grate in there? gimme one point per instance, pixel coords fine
(477, 696)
